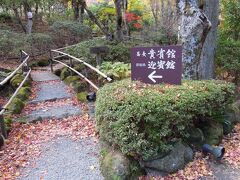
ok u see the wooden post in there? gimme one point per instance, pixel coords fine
(21, 60)
(51, 62)
(3, 128)
(71, 65)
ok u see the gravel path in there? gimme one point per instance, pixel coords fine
(65, 159)
(62, 158)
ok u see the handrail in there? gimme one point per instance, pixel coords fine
(86, 79)
(66, 47)
(15, 93)
(86, 64)
(14, 72)
(3, 109)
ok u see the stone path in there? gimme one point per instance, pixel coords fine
(222, 172)
(51, 88)
(62, 158)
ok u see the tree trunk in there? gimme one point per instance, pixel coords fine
(211, 9)
(15, 10)
(81, 18)
(36, 8)
(194, 27)
(75, 5)
(118, 5)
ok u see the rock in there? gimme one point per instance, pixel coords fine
(79, 86)
(16, 106)
(8, 123)
(65, 73)
(117, 166)
(17, 79)
(71, 79)
(82, 96)
(24, 93)
(57, 72)
(196, 137)
(176, 159)
(227, 127)
(43, 63)
(213, 132)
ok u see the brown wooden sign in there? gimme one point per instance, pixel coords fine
(155, 65)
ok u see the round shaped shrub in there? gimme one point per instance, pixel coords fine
(142, 120)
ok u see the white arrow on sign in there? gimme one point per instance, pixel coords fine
(152, 77)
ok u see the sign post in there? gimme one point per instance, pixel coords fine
(155, 65)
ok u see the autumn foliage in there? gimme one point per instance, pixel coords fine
(133, 20)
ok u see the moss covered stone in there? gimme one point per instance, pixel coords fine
(43, 63)
(71, 79)
(82, 96)
(213, 132)
(65, 73)
(79, 67)
(17, 79)
(24, 93)
(8, 123)
(79, 86)
(58, 72)
(16, 106)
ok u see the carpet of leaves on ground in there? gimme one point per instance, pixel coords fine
(25, 141)
(232, 144)
(2, 100)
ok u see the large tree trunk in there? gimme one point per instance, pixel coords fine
(211, 9)
(15, 10)
(75, 5)
(81, 18)
(118, 5)
(95, 20)
(194, 27)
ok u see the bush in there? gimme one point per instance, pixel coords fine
(116, 71)
(11, 43)
(70, 32)
(39, 41)
(228, 58)
(5, 17)
(142, 120)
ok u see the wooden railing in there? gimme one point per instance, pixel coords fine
(59, 54)
(26, 70)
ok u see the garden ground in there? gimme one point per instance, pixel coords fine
(68, 148)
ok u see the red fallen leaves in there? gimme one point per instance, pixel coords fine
(2, 101)
(232, 146)
(194, 170)
(25, 141)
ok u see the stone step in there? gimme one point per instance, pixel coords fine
(43, 76)
(50, 92)
(58, 112)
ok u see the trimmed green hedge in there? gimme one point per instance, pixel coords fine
(142, 120)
